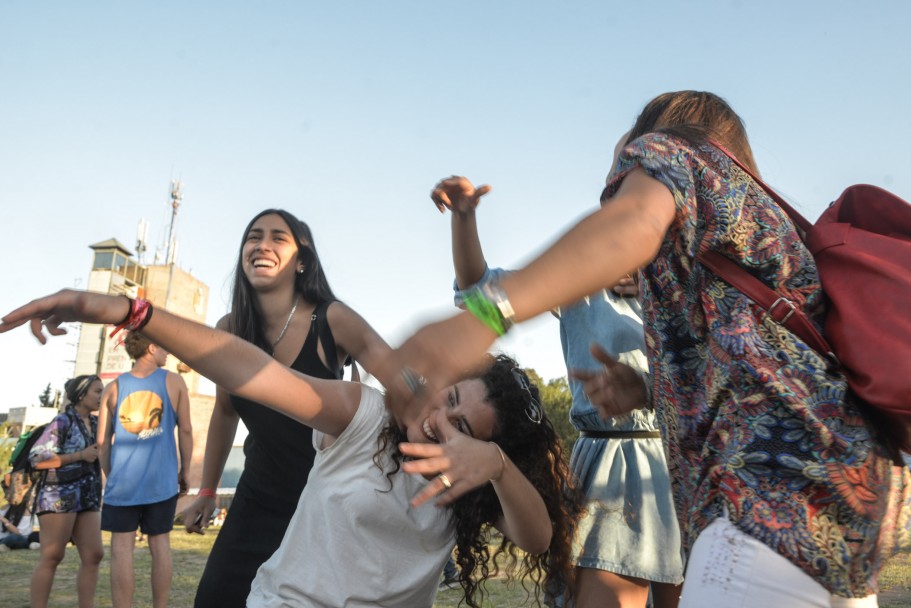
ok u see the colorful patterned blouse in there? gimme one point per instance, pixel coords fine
(755, 424)
(76, 486)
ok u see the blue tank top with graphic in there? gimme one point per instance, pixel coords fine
(144, 452)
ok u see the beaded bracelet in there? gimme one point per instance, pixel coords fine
(138, 317)
(489, 304)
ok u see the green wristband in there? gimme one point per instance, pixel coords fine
(489, 304)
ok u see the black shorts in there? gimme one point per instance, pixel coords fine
(152, 519)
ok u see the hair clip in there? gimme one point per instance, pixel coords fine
(533, 409)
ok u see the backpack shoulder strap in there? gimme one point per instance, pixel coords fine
(777, 307)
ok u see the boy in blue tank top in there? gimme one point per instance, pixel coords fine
(139, 412)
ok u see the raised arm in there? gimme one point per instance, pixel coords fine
(467, 254)
(230, 362)
(625, 234)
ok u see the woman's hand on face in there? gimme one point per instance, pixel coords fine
(458, 464)
(51, 311)
(438, 355)
(457, 194)
(615, 389)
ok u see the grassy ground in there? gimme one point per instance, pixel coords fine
(190, 553)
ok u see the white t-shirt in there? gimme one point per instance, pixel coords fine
(353, 540)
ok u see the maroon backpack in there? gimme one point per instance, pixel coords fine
(862, 248)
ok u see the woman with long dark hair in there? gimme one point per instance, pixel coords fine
(785, 494)
(69, 495)
(282, 303)
(365, 531)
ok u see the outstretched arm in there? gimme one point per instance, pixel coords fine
(230, 362)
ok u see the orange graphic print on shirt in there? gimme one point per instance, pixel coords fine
(140, 414)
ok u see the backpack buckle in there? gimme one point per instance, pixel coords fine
(791, 308)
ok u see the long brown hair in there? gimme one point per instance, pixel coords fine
(696, 116)
(245, 320)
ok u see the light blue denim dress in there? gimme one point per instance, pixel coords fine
(631, 527)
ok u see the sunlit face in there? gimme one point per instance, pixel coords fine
(269, 255)
(467, 409)
(92, 400)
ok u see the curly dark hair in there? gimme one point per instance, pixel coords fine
(528, 438)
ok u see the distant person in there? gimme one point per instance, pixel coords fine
(282, 303)
(69, 496)
(139, 412)
(219, 519)
(16, 525)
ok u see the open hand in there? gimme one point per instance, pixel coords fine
(439, 354)
(615, 389)
(457, 194)
(51, 311)
(455, 466)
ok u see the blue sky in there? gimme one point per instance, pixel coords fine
(346, 113)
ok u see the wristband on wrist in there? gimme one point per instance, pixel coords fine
(207, 492)
(489, 304)
(139, 315)
(502, 461)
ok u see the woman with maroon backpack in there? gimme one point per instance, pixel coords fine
(785, 493)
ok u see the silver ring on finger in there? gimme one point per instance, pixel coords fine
(446, 483)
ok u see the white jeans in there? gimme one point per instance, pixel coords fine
(731, 569)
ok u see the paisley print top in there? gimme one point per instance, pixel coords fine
(756, 424)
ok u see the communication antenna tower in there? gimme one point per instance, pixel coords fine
(142, 239)
(176, 197)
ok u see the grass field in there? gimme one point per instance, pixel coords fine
(190, 553)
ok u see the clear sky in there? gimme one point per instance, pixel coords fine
(346, 114)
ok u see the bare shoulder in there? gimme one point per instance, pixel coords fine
(343, 317)
(176, 382)
(224, 322)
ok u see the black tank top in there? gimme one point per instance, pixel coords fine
(278, 450)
